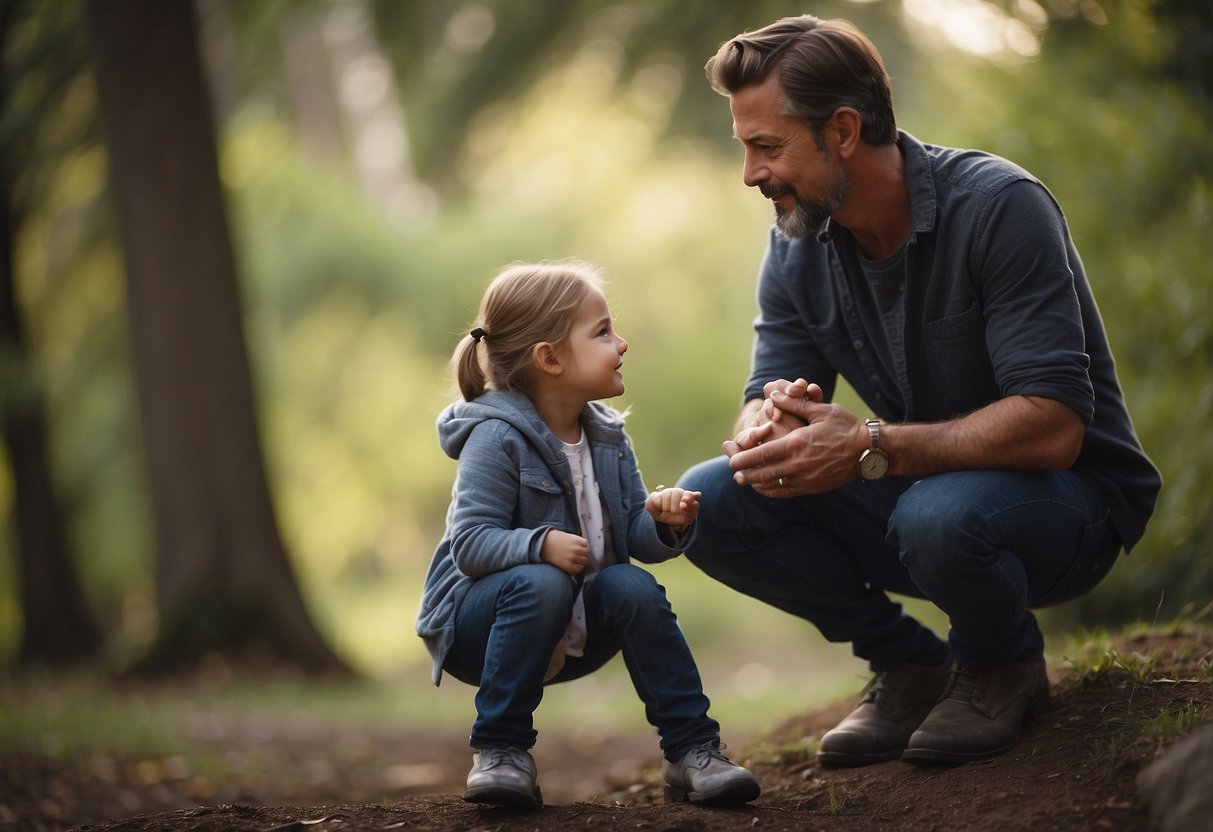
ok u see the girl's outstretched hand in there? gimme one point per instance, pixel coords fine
(676, 507)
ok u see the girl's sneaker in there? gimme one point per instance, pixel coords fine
(505, 776)
(704, 775)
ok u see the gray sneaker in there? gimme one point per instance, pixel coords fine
(704, 775)
(505, 776)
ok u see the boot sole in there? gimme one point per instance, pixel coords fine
(502, 796)
(732, 794)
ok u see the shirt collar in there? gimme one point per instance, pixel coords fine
(920, 183)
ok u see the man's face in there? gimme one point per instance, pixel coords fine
(805, 183)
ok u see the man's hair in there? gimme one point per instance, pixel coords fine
(822, 65)
(526, 304)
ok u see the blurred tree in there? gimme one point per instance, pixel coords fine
(453, 61)
(223, 579)
(57, 625)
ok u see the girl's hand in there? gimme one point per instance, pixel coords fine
(675, 507)
(567, 552)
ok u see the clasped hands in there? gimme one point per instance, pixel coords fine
(794, 443)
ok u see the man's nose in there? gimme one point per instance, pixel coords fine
(754, 170)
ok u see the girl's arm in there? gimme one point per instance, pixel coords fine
(484, 504)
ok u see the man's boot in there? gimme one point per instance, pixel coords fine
(982, 713)
(892, 707)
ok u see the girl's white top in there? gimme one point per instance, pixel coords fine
(594, 530)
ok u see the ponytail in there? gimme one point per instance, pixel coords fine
(469, 374)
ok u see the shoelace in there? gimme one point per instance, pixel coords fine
(963, 686)
(493, 757)
(883, 684)
(704, 755)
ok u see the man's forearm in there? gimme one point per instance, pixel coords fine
(1024, 433)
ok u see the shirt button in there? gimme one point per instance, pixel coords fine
(858, 344)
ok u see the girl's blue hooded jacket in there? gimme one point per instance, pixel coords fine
(514, 483)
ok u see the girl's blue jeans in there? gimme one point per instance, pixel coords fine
(510, 621)
(983, 546)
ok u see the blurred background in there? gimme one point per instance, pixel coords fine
(219, 407)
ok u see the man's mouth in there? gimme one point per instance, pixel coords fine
(774, 191)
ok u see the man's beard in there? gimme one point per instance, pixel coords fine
(810, 214)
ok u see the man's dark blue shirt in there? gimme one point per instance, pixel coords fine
(992, 302)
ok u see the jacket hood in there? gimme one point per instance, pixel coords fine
(459, 419)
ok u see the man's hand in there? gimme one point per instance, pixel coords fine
(567, 552)
(763, 421)
(675, 507)
(815, 456)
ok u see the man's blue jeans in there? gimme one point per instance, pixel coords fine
(508, 626)
(983, 546)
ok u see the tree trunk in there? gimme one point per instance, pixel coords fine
(58, 626)
(223, 579)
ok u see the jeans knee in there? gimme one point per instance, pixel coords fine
(624, 593)
(625, 584)
(926, 527)
(539, 586)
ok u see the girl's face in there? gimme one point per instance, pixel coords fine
(594, 351)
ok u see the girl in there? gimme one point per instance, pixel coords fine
(532, 582)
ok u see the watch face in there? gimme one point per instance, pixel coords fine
(873, 464)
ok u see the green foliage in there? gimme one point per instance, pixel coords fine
(600, 142)
(1109, 118)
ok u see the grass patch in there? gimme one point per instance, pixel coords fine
(1133, 736)
(1099, 665)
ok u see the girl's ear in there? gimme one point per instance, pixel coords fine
(547, 358)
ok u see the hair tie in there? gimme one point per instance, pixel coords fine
(477, 334)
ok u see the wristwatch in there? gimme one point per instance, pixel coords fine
(874, 462)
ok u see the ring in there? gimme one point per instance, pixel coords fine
(782, 484)
(659, 488)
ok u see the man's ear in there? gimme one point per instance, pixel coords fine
(547, 358)
(847, 124)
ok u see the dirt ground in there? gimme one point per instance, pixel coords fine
(1074, 771)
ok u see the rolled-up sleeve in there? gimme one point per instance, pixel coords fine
(1034, 328)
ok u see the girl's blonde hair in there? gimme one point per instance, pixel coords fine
(526, 304)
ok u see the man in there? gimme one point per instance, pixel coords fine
(1000, 472)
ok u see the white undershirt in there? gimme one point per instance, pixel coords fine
(589, 510)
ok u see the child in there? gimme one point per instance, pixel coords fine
(532, 582)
